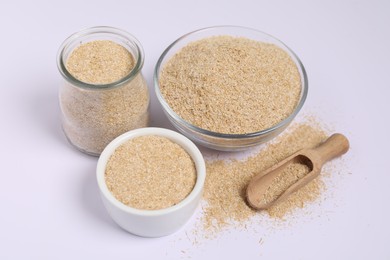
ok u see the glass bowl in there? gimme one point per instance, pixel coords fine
(222, 141)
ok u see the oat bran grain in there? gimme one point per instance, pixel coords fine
(231, 85)
(150, 172)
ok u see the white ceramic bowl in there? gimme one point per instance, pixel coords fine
(152, 223)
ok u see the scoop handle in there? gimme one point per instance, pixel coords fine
(336, 145)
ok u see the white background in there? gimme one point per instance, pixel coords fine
(50, 208)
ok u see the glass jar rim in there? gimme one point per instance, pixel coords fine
(102, 30)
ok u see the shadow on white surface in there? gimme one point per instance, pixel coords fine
(44, 111)
(90, 198)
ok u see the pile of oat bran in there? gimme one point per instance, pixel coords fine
(139, 175)
(231, 85)
(226, 181)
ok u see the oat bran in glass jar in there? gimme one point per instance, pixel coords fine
(104, 93)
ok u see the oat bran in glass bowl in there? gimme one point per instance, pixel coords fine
(230, 88)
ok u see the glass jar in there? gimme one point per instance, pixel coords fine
(94, 114)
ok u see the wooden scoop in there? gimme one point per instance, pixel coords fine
(333, 147)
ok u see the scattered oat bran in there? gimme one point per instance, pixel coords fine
(308, 193)
(231, 85)
(287, 177)
(94, 117)
(150, 172)
(226, 181)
